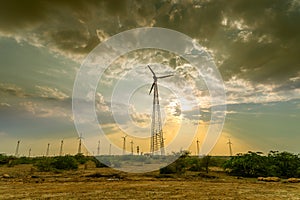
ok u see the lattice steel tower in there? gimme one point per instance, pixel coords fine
(157, 139)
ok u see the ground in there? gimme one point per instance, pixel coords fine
(105, 183)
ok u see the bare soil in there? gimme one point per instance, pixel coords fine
(105, 183)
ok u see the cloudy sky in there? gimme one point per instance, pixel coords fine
(254, 44)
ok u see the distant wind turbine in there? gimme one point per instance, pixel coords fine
(61, 148)
(17, 149)
(80, 144)
(229, 145)
(124, 144)
(48, 149)
(98, 148)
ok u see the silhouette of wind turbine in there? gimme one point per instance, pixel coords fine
(157, 140)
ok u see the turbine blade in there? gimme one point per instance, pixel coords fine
(151, 70)
(151, 88)
(165, 76)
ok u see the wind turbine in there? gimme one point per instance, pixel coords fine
(61, 148)
(198, 152)
(80, 144)
(109, 150)
(124, 144)
(229, 145)
(98, 148)
(17, 149)
(131, 147)
(48, 149)
(157, 141)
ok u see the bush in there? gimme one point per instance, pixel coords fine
(283, 164)
(44, 165)
(250, 164)
(80, 158)
(57, 163)
(65, 163)
(6, 159)
(178, 167)
(195, 164)
(21, 160)
(275, 164)
(186, 162)
(170, 169)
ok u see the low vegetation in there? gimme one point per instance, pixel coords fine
(251, 164)
(47, 164)
(186, 162)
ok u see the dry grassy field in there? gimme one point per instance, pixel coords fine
(25, 182)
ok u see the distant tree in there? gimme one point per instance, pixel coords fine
(179, 166)
(205, 162)
(253, 164)
(283, 164)
(250, 164)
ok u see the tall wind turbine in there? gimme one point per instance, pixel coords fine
(157, 139)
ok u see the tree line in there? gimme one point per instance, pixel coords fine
(250, 164)
(255, 164)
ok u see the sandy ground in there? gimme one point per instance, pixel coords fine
(26, 183)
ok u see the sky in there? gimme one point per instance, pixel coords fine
(254, 44)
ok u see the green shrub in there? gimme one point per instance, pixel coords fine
(178, 167)
(44, 165)
(47, 164)
(80, 158)
(65, 163)
(4, 159)
(170, 169)
(252, 164)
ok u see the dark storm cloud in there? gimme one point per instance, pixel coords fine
(270, 53)
(257, 40)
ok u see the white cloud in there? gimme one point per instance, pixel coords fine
(48, 92)
(243, 91)
(100, 103)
